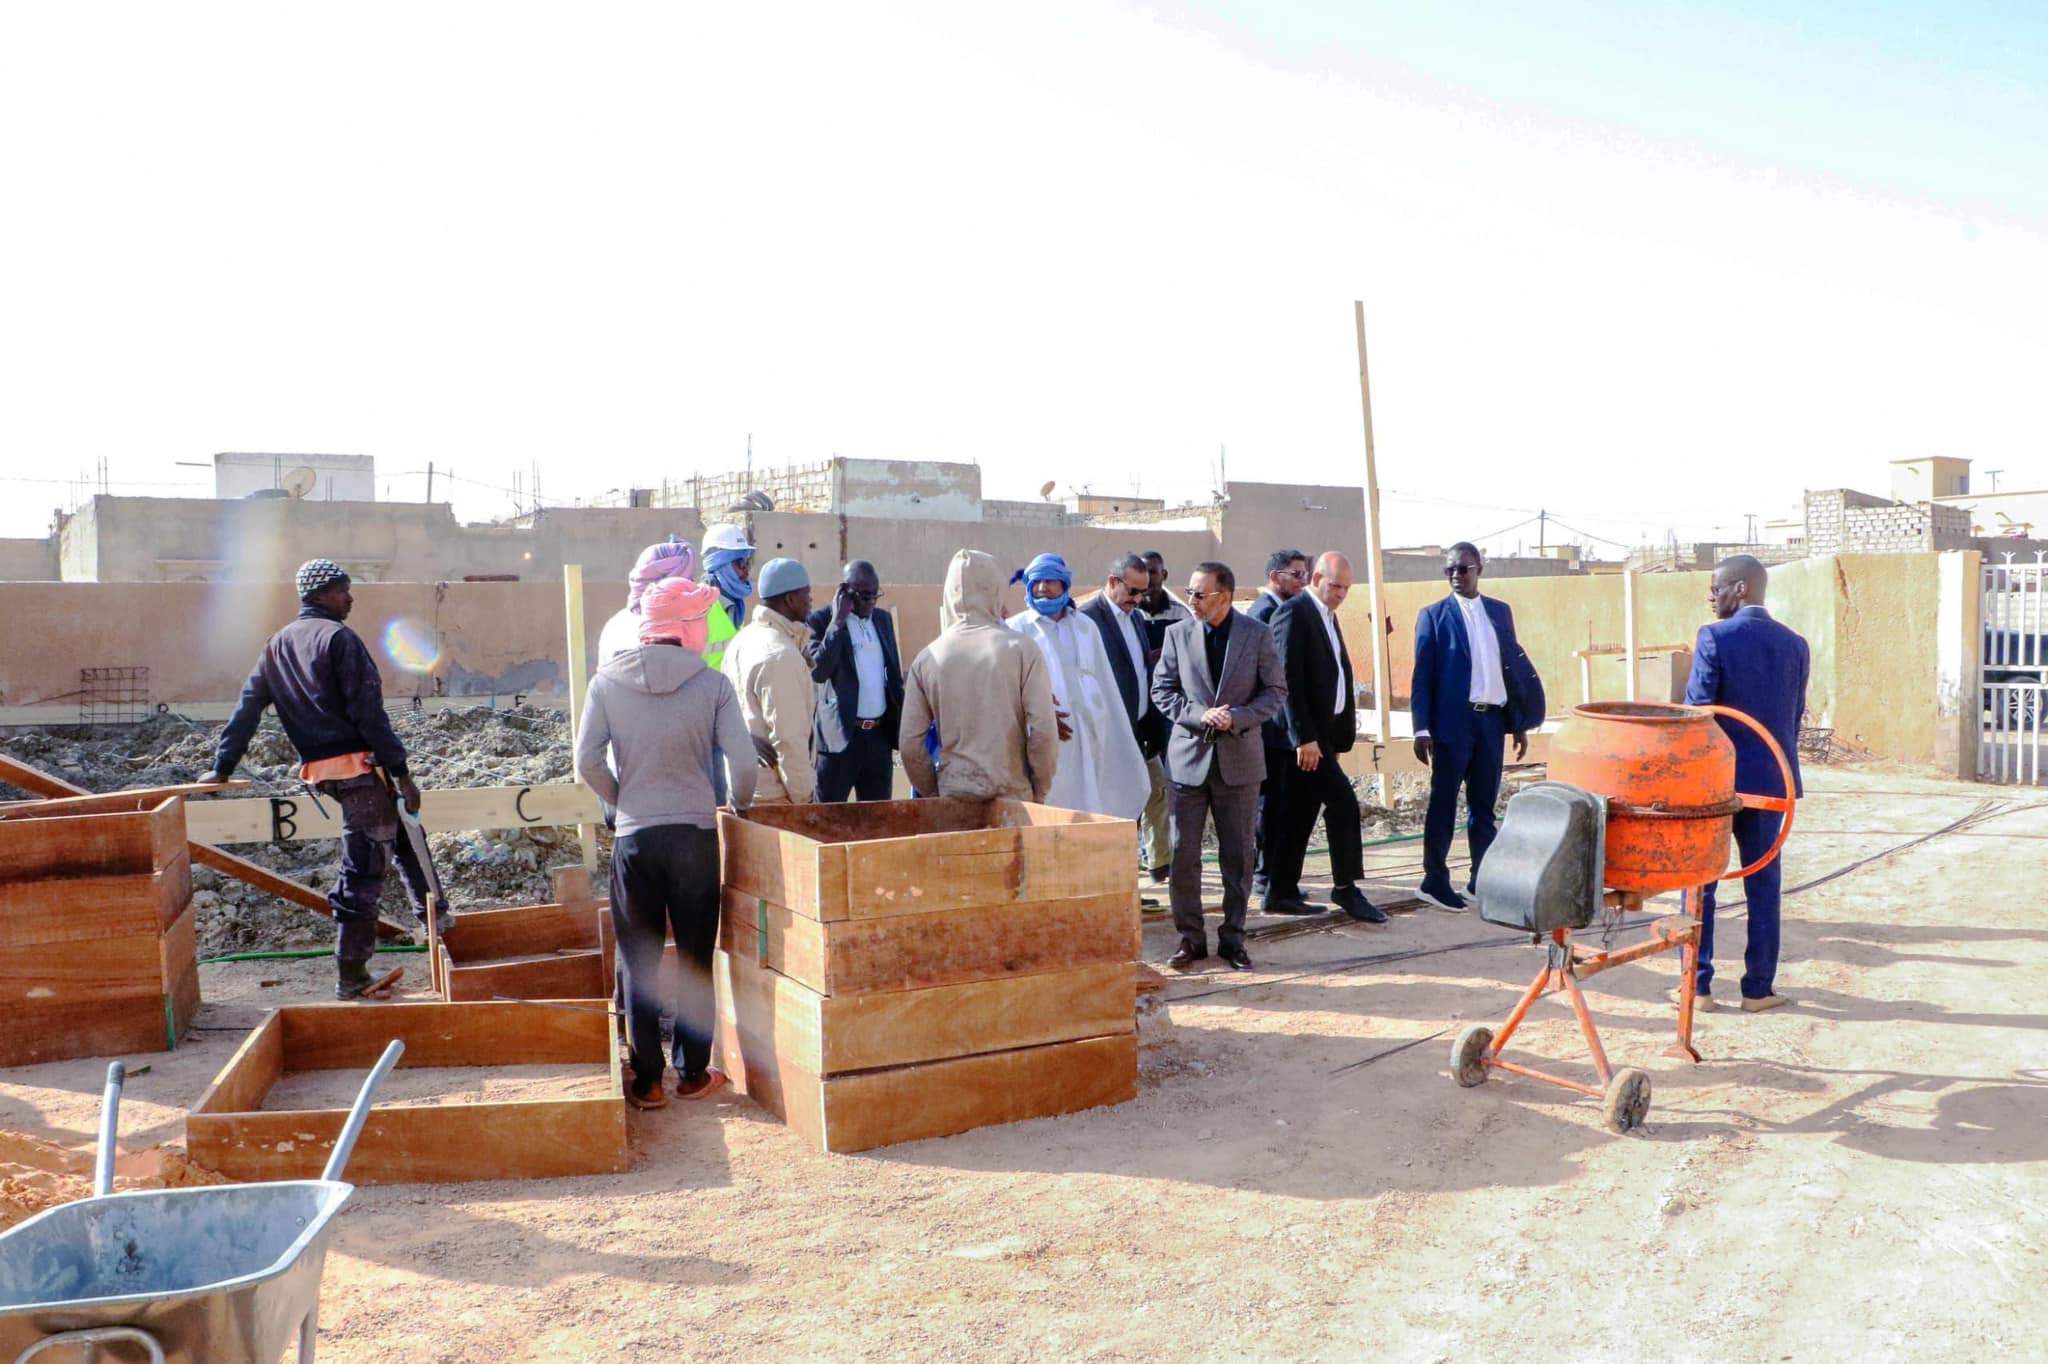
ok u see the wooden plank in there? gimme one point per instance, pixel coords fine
(37, 849)
(489, 934)
(85, 908)
(42, 783)
(131, 801)
(942, 1098)
(284, 819)
(67, 1030)
(112, 969)
(534, 1139)
(945, 947)
(554, 975)
(257, 1065)
(785, 868)
(988, 866)
(350, 1036)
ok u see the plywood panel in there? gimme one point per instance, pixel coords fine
(989, 866)
(84, 908)
(249, 1074)
(284, 818)
(944, 947)
(64, 1030)
(344, 1036)
(553, 975)
(941, 1098)
(83, 845)
(785, 868)
(491, 934)
(178, 952)
(538, 1139)
(112, 968)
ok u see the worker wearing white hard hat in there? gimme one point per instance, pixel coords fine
(729, 562)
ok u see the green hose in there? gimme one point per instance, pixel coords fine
(299, 954)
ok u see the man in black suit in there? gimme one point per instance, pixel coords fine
(1322, 721)
(860, 689)
(1287, 573)
(1217, 681)
(1115, 613)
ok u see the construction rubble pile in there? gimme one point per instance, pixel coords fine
(514, 746)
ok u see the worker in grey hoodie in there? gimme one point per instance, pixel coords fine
(668, 721)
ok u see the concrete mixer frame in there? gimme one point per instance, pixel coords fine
(1624, 1094)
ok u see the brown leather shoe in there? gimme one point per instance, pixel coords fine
(698, 1086)
(1757, 1006)
(649, 1095)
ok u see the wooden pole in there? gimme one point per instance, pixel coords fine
(579, 683)
(1628, 633)
(1375, 569)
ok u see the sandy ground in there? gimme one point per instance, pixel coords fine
(1858, 1176)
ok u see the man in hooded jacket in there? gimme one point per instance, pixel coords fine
(666, 721)
(987, 689)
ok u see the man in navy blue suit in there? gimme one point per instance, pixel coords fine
(1465, 698)
(1749, 662)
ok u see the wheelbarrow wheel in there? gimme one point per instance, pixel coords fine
(1468, 1055)
(1628, 1100)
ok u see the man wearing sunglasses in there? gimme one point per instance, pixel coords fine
(859, 673)
(1468, 694)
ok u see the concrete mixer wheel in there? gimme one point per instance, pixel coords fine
(1468, 1055)
(1628, 1100)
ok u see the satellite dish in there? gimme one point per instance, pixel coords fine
(1046, 491)
(300, 481)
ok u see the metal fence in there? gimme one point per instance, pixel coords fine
(2014, 660)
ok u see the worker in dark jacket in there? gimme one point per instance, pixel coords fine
(330, 699)
(860, 689)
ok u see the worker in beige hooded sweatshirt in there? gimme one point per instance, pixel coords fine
(770, 671)
(987, 689)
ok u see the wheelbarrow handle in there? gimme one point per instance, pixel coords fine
(345, 1144)
(110, 1128)
(96, 1335)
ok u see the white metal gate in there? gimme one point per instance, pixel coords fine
(2014, 658)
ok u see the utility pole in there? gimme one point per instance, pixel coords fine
(430, 480)
(1749, 535)
(1542, 522)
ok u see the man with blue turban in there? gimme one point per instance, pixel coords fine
(728, 562)
(1100, 767)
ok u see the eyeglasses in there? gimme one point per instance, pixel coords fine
(1459, 570)
(869, 597)
(1299, 575)
(1194, 597)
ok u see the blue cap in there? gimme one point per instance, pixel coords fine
(778, 576)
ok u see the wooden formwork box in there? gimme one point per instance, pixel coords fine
(98, 954)
(529, 952)
(894, 971)
(229, 1131)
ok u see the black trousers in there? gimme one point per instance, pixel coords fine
(666, 881)
(369, 845)
(1272, 818)
(1326, 792)
(866, 769)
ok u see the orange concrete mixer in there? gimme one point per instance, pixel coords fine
(1641, 800)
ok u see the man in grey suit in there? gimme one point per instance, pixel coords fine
(1218, 681)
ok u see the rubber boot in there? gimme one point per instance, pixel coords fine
(352, 978)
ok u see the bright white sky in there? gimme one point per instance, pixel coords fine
(1651, 267)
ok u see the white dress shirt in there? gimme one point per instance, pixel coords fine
(1336, 648)
(1134, 643)
(870, 667)
(1489, 682)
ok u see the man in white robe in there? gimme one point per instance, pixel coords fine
(1100, 768)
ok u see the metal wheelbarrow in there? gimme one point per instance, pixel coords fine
(222, 1275)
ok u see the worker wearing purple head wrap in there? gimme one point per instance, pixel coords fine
(670, 558)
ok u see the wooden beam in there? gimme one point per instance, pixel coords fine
(1375, 565)
(114, 802)
(579, 687)
(284, 819)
